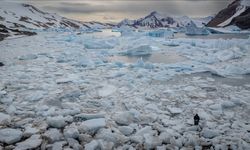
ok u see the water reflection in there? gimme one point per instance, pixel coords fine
(110, 32)
(214, 36)
(166, 58)
(105, 33)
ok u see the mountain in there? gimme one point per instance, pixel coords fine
(157, 20)
(126, 22)
(25, 16)
(237, 13)
(19, 19)
(152, 21)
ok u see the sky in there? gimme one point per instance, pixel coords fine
(116, 10)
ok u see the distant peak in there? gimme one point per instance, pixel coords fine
(154, 13)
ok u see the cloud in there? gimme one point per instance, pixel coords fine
(76, 8)
(177, 7)
(110, 9)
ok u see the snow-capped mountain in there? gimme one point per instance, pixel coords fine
(237, 13)
(25, 16)
(97, 25)
(16, 18)
(153, 20)
(157, 20)
(126, 22)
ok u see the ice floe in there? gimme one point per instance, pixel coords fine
(69, 95)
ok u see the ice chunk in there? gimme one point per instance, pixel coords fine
(161, 33)
(163, 147)
(71, 132)
(69, 78)
(215, 107)
(208, 133)
(29, 130)
(137, 139)
(147, 118)
(165, 137)
(139, 63)
(84, 62)
(151, 141)
(28, 57)
(192, 29)
(98, 44)
(56, 122)
(58, 145)
(152, 108)
(85, 138)
(227, 104)
(35, 96)
(92, 125)
(10, 110)
(174, 110)
(84, 116)
(74, 144)
(171, 43)
(70, 38)
(4, 119)
(126, 130)
(226, 55)
(31, 143)
(93, 145)
(124, 118)
(10, 136)
(139, 50)
(53, 135)
(108, 135)
(3, 92)
(191, 140)
(126, 31)
(106, 144)
(145, 130)
(106, 90)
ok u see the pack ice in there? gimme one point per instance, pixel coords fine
(57, 93)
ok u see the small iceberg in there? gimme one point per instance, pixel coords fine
(139, 51)
(192, 29)
(161, 33)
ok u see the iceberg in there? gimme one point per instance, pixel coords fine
(126, 31)
(161, 33)
(192, 29)
(227, 30)
(139, 50)
(100, 44)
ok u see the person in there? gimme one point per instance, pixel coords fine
(196, 119)
(1, 64)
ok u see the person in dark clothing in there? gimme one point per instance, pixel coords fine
(1, 64)
(196, 119)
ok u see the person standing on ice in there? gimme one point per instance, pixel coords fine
(196, 119)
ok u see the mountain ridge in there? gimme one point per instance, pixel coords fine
(156, 20)
(22, 19)
(237, 13)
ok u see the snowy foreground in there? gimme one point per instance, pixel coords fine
(63, 91)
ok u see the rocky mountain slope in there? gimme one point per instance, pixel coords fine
(237, 13)
(18, 18)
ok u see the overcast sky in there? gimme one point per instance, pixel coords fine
(116, 10)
